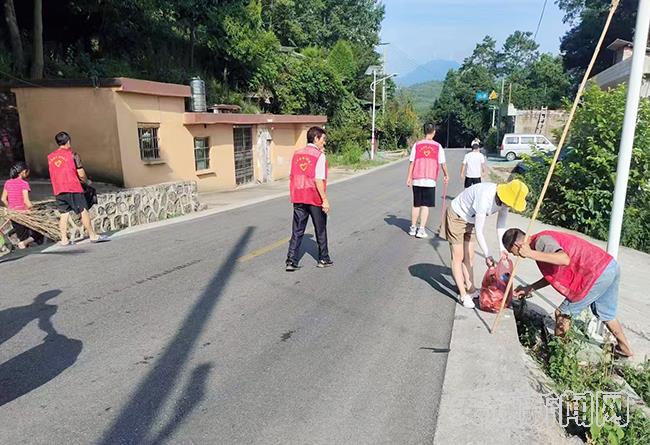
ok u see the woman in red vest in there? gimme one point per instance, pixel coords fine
(308, 186)
(67, 174)
(583, 273)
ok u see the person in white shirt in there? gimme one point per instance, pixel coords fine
(426, 160)
(467, 212)
(474, 166)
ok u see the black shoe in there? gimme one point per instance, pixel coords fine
(291, 267)
(324, 263)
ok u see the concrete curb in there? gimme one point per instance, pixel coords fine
(227, 208)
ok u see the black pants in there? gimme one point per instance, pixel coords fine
(301, 213)
(23, 233)
(471, 181)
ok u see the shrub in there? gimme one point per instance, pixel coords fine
(581, 191)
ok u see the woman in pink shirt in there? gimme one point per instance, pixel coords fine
(15, 195)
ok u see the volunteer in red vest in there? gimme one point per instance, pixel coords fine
(308, 186)
(67, 174)
(426, 160)
(586, 275)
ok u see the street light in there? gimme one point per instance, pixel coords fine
(373, 87)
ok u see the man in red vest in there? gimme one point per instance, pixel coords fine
(67, 174)
(583, 273)
(427, 157)
(308, 186)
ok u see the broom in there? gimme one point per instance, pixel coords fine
(38, 220)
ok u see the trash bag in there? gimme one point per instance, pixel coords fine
(494, 285)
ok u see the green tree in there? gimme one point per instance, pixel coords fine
(543, 83)
(580, 194)
(341, 59)
(485, 54)
(588, 18)
(518, 52)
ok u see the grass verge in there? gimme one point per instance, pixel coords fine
(576, 367)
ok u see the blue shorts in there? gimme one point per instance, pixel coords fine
(603, 296)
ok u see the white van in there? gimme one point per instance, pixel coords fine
(514, 145)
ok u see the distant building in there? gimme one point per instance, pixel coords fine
(619, 72)
(134, 133)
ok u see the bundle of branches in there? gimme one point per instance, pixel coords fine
(41, 221)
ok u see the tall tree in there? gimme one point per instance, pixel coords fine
(37, 59)
(14, 37)
(588, 18)
(485, 54)
(519, 50)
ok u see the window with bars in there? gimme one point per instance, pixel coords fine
(201, 154)
(148, 140)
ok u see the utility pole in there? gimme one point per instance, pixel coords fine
(374, 95)
(629, 126)
(383, 84)
(503, 86)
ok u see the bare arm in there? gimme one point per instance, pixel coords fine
(462, 171)
(4, 198)
(443, 166)
(523, 291)
(409, 176)
(320, 186)
(82, 175)
(26, 200)
(557, 258)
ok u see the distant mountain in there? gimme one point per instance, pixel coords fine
(433, 70)
(424, 95)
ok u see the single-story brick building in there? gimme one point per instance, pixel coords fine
(134, 132)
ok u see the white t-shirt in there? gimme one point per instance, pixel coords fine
(475, 204)
(473, 162)
(427, 182)
(321, 165)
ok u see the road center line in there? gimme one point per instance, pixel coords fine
(263, 250)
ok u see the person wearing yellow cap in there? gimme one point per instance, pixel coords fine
(464, 223)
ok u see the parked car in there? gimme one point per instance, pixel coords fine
(514, 145)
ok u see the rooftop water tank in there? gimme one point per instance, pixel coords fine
(198, 102)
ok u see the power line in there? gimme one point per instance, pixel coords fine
(540, 19)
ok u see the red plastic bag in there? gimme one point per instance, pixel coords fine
(494, 285)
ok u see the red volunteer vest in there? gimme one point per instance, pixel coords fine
(425, 165)
(587, 264)
(303, 177)
(63, 172)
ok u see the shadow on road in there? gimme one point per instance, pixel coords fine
(401, 223)
(141, 413)
(39, 365)
(308, 246)
(435, 276)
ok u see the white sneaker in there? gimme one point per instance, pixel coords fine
(413, 230)
(467, 302)
(475, 294)
(421, 233)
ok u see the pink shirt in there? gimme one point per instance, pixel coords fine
(14, 189)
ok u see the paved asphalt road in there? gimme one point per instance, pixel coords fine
(194, 334)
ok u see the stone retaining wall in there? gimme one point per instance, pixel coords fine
(131, 207)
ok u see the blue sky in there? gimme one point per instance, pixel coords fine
(421, 30)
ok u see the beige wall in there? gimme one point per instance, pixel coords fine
(526, 122)
(286, 140)
(87, 114)
(176, 142)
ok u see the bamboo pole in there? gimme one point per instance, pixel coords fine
(565, 132)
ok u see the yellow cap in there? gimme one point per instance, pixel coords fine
(513, 194)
